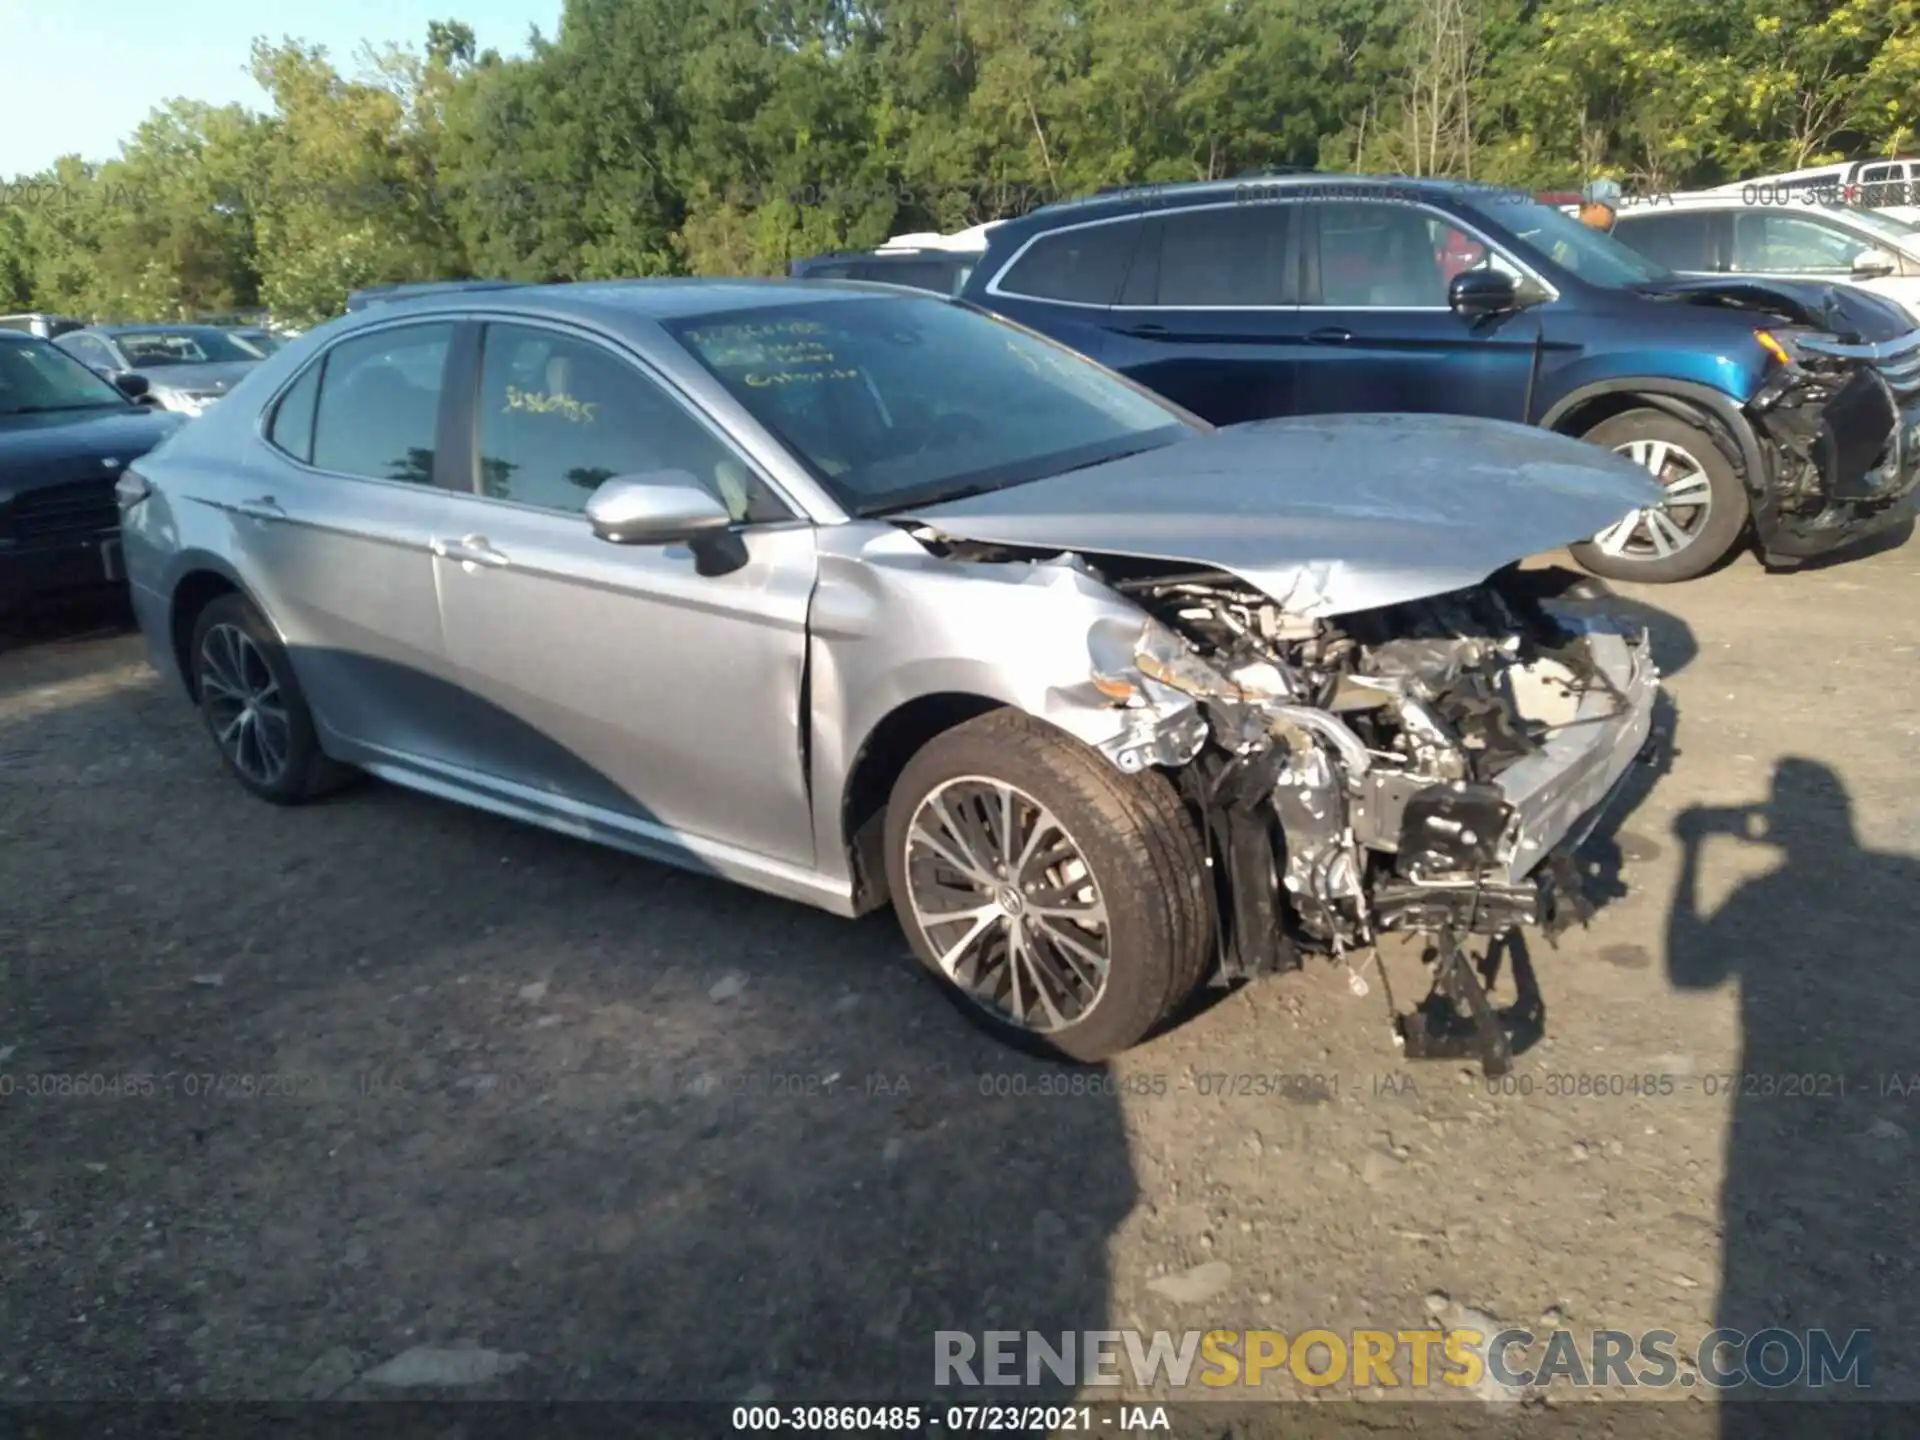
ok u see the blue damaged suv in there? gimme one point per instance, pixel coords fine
(1782, 411)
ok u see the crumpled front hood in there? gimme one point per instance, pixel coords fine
(1327, 514)
(1843, 310)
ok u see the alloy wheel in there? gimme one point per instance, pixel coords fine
(1008, 903)
(243, 704)
(1659, 531)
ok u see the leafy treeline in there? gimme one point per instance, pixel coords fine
(724, 136)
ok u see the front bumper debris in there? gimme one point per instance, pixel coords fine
(1458, 1019)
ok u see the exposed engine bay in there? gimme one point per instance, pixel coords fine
(1426, 767)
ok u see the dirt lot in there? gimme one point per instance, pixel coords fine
(384, 1074)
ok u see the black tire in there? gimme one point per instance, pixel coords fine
(1138, 844)
(307, 773)
(1727, 511)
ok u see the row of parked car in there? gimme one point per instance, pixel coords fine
(1092, 625)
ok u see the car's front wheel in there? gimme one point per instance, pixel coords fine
(1062, 902)
(1698, 521)
(253, 707)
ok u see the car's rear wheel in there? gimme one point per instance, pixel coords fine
(1698, 522)
(1061, 902)
(253, 707)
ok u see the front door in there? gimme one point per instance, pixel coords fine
(616, 678)
(1385, 338)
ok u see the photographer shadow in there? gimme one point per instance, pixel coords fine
(1819, 1226)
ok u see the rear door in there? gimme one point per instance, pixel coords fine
(1385, 338)
(1209, 314)
(332, 524)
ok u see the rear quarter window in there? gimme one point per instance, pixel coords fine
(1082, 266)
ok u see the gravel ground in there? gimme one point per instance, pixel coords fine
(385, 1096)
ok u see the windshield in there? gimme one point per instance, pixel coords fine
(1579, 249)
(184, 345)
(261, 343)
(895, 401)
(36, 377)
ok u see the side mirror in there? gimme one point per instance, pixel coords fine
(134, 387)
(662, 508)
(1872, 264)
(1476, 294)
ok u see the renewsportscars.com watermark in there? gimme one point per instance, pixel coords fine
(1402, 1359)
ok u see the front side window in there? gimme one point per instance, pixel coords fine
(1223, 255)
(559, 415)
(1767, 242)
(1678, 239)
(896, 400)
(1083, 266)
(37, 377)
(379, 405)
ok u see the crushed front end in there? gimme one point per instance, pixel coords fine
(1841, 424)
(1428, 767)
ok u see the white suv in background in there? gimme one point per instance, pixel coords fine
(1722, 234)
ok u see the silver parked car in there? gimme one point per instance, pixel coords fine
(856, 596)
(187, 367)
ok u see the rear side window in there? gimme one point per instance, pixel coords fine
(1679, 240)
(1883, 185)
(1232, 255)
(291, 428)
(379, 404)
(1083, 266)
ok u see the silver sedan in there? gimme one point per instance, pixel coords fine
(862, 597)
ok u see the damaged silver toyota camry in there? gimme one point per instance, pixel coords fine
(858, 598)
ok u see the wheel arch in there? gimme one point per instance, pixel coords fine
(203, 579)
(1713, 411)
(881, 755)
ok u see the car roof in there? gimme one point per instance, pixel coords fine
(1116, 201)
(657, 300)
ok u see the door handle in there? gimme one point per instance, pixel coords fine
(1329, 335)
(260, 507)
(469, 550)
(1148, 331)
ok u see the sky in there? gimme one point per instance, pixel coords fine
(76, 76)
